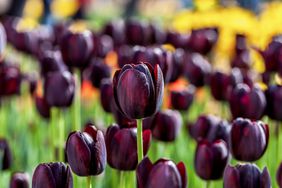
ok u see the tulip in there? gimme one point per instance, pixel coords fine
(163, 173)
(106, 94)
(178, 58)
(273, 96)
(242, 60)
(182, 100)
(138, 90)
(246, 175)
(116, 30)
(97, 71)
(137, 33)
(178, 40)
(121, 119)
(279, 175)
(42, 107)
(211, 159)
(19, 180)
(240, 44)
(166, 125)
(125, 55)
(101, 45)
(245, 133)
(219, 83)
(55, 175)
(59, 88)
(157, 34)
(247, 102)
(197, 69)
(220, 131)
(122, 147)
(6, 155)
(24, 41)
(59, 30)
(76, 48)
(10, 79)
(86, 151)
(2, 39)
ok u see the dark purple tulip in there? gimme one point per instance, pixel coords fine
(197, 69)
(273, 96)
(86, 152)
(121, 119)
(42, 107)
(242, 60)
(125, 55)
(137, 33)
(163, 173)
(59, 30)
(19, 180)
(122, 147)
(2, 39)
(211, 159)
(116, 30)
(178, 58)
(240, 44)
(76, 48)
(158, 35)
(202, 40)
(138, 90)
(266, 77)
(102, 44)
(182, 99)
(59, 89)
(106, 94)
(24, 41)
(97, 71)
(219, 83)
(178, 40)
(10, 79)
(52, 175)
(220, 131)
(203, 125)
(246, 175)
(247, 102)
(245, 133)
(279, 175)
(166, 125)
(6, 155)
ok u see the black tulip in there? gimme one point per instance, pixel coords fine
(6, 154)
(19, 180)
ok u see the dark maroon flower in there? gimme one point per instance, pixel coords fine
(240, 44)
(273, 96)
(6, 155)
(211, 159)
(163, 173)
(166, 125)
(125, 55)
(157, 34)
(59, 89)
(10, 79)
(2, 39)
(42, 107)
(266, 77)
(76, 48)
(197, 69)
(24, 41)
(182, 99)
(242, 60)
(247, 102)
(137, 33)
(178, 58)
(121, 119)
(220, 131)
(122, 147)
(97, 71)
(52, 175)
(245, 133)
(219, 83)
(102, 44)
(116, 30)
(279, 175)
(19, 180)
(178, 40)
(106, 94)
(86, 152)
(59, 30)
(138, 90)
(246, 175)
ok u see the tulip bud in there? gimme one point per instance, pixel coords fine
(101, 45)
(19, 180)
(245, 133)
(122, 147)
(242, 60)
(178, 58)
(138, 90)
(2, 39)
(240, 44)
(42, 107)
(59, 89)
(116, 30)
(106, 94)
(6, 155)
(166, 125)
(86, 152)
(246, 175)
(137, 33)
(55, 175)
(273, 95)
(182, 100)
(219, 84)
(211, 159)
(163, 173)
(247, 102)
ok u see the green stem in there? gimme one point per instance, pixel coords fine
(53, 136)
(207, 184)
(61, 143)
(139, 140)
(121, 179)
(88, 182)
(77, 102)
(277, 139)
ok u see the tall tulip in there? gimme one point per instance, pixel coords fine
(19, 180)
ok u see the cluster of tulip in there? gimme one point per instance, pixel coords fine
(146, 70)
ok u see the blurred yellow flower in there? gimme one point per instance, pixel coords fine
(64, 8)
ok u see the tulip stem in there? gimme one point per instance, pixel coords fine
(207, 184)
(139, 140)
(52, 132)
(121, 180)
(77, 102)
(277, 138)
(61, 125)
(88, 182)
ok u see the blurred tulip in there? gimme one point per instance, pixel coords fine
(247, 102)
(197, 69)
(42, 107)
(121, 119)
(59, 88)
(116, 30)
(211, 159)
(219, 83)
(97, 71)
(2, 39)
(138, 90)
(157, 34)
(246, 175)
(122, 147)
(178, 58)
(178, 40)
(59, 30)
(163, 173)
(102, 44)
(76, 48)
(125, 55)
(182, 100)
(6, 155)
(19, 180)
(106, 94)
(24, 41)
(273, 96)
(245, 133)
(166, 125)
(242, 60)
(266, 77)
(10, 79)
(240, 44)
(137, 33)
(220, 131)
(279, 175)
(55, 175)
(86, 152)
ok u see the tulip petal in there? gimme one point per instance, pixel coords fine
(231, 177)
(147, 136)
(265, 180)
(182, 170)
(43, 177)
(143, 171)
